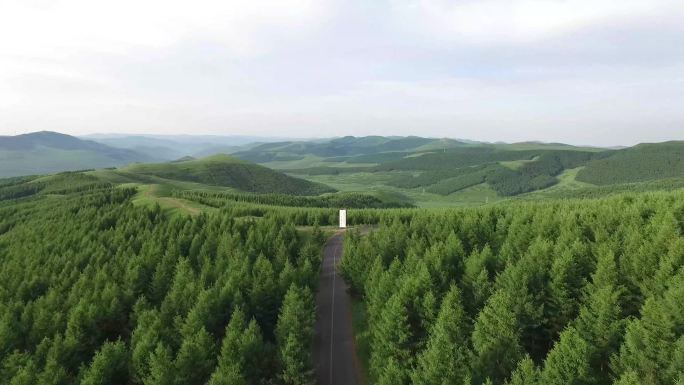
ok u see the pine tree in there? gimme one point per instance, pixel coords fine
(161, 370)
(227, 375)
(390, 338)
(26, 375)
(564, 288)
(568, 362)
(195, 359)
(676, 367)
(476, 278)
(263, 297)
(446, 358)
(526, 373)
(231, 362)
(109, 366)
(599, 323)
(628, 378)
(253, 351)
(496, 338)
(293, 333)
(241, 352)
(647, 344)
(392, 374)
(295, 362)
(144, 341)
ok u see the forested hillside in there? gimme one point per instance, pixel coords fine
(94, 290)
(427, 172)
(574, 292)
(339, 200)
(644, 162)
(222, 170)
(105, 281)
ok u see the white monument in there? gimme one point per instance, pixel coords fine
(343, 219)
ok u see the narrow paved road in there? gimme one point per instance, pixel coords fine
(335, 360)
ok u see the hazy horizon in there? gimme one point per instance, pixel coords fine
(581, 72)
(257, 138)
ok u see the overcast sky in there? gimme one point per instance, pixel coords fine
(604, 72)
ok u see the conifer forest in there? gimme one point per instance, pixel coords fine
(95, 289)
(342, 192)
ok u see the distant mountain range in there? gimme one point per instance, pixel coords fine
(170, 147)
(48, 152)
(411, 164)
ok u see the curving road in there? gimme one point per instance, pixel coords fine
(335, 360)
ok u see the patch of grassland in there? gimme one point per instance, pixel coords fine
(310, 161)
(149, 195)
(517, 164)
(366, 182)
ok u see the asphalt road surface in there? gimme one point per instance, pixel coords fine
(335, 360)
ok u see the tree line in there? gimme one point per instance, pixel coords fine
(563, 292)
(95, 290)
(336, 200)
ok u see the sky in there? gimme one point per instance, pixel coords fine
(599, 72)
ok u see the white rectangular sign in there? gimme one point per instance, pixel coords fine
(343, 219)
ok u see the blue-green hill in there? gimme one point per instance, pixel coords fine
(49, 152)
(227, 171)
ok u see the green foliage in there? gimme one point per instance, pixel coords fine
(458, 183)
(446, 357)
(568, 361)
(293, 332)
(496, 338)
(390, 339)
(62, 183)
(347, 200)
(222, 170)
(110, 365)
(559, 292)
(526, 373)
(653, 342)
(338, 147)
(643, 162)
(96, 290)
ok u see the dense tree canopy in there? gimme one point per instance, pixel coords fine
(563, 292)
(95, 290)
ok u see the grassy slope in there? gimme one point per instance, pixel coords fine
(149, 195)
(375, 182)
(222, 170)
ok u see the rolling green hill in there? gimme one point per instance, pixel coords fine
(508, 172)
(468, 172)
(226, 171)
(178, 187)
(641, 163)
(339, 147)
(426, 171)
(48, 152)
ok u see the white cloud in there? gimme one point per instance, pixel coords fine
(65, 49)
(65, 27)
(326, 67)
(507, 21)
